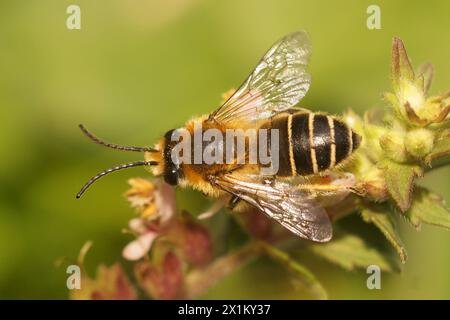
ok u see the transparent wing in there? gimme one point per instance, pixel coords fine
(294, 209)
(278, 82)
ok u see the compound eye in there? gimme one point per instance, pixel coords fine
(171, 176)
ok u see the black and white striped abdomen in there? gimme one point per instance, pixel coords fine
(311, 143)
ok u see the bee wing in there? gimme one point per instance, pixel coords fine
(278, 82)
(294, 209)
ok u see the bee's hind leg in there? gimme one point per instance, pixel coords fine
(346, 183)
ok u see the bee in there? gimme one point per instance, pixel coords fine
(309, 145)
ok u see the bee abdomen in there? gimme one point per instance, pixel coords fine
(318, 142)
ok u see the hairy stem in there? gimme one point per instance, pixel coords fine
(439, 163)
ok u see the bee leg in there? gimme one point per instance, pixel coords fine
(233, 202)
(323, 188)
(359, 189)
(215, 207)
(340, 184)
(270, 180)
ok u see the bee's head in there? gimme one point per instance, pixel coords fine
(120, 167)
(172, 172)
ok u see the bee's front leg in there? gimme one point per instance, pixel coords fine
(215, 207)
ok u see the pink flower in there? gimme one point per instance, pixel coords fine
(155, 202)
(139, 247)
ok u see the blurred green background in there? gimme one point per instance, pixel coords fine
(138, 68)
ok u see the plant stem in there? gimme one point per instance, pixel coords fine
(199, 280)
(298, 271)
(439, 163)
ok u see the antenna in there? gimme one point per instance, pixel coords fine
(108, 171)
(112, 145)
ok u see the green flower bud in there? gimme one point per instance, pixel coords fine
(419, 142)
(393, 145)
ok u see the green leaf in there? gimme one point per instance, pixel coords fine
(400, 65)
(350, 252)
(426, 72)
(400, 181)
(441, 147)
(300, 273)
(381, 217)
(429, 208)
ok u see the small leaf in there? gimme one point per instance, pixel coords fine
(83, 252)
(413, 117)
(350, 252)
(400, 66)
(400, 181)
(442, 115)
(426, 71)
(441, 147)
(429, 208)
(300, 273)
(381, 217)
(372, 134)
(393, 145)
(392, 99)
